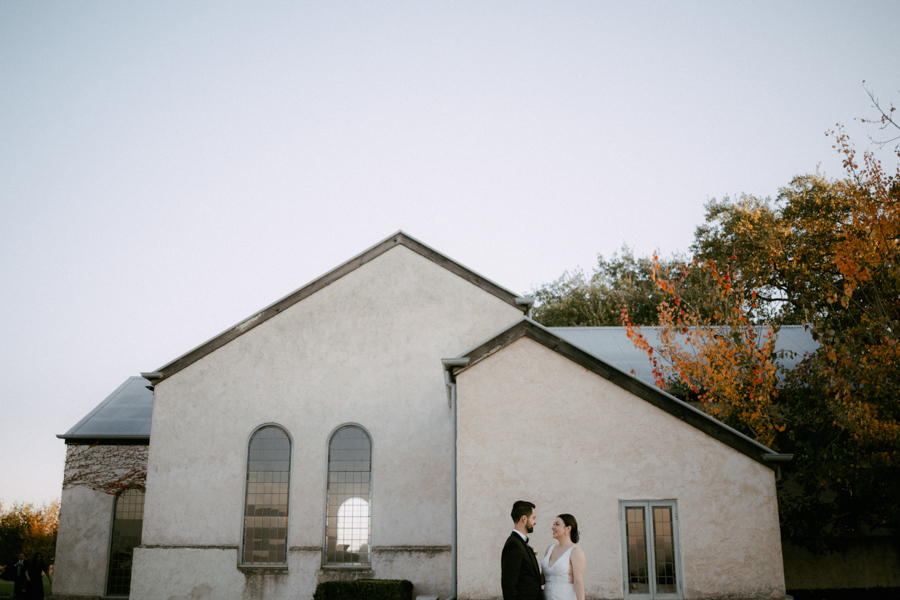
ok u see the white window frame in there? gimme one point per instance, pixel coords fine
(648, 505)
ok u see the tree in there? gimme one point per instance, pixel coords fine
(852, 385)
(714, 351)
(576, 300)
(29, 529)
(827, 255)
(784, 250)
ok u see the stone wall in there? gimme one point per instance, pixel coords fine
(85, 524)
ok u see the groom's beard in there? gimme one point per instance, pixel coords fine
(529, 529)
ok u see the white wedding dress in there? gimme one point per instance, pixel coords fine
(557, 578)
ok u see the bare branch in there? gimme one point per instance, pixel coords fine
(886, 121)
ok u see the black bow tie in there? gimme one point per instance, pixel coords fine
(526, 541)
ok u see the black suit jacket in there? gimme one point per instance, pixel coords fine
(520, 575)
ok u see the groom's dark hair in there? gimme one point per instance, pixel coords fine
(521, 509)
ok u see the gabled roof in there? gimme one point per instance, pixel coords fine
(127, 412)
(527, 328)
(612, 345)
(398, 239)
(124, 415)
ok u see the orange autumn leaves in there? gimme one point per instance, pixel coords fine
(830, 258)
(715, 351)
(869, 246)
(27, 528)
(860, 370)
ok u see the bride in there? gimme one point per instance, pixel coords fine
(564, 563)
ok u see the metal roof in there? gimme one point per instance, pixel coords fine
(611, 345)
(125, 414)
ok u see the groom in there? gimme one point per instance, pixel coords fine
(520, 575)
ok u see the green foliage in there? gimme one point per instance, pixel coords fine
(364, 589)
(574, 300)
(783, 250)
(830, 489)
(29, 529)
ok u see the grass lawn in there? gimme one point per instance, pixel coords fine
(7, 586)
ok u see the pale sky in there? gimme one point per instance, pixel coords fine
(169, 168)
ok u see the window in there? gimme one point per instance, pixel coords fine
(267, 498)
(652, 563)
(348, 504)
(128, 519)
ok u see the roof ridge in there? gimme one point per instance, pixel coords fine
(399, 238)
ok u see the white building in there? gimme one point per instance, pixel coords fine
(314, 441)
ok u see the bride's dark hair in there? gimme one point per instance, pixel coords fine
(570, 521)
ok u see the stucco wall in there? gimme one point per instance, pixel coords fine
(535, 426)
(82, 545)
(365, 349)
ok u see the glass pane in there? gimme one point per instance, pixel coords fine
(664, 548)
(268, 497)
(348, 515)
(638, 581)
(126, 534)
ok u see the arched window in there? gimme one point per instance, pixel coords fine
(348, 521)
(267, 497)
(128, 519)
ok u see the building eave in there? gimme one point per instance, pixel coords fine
(90, 440)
